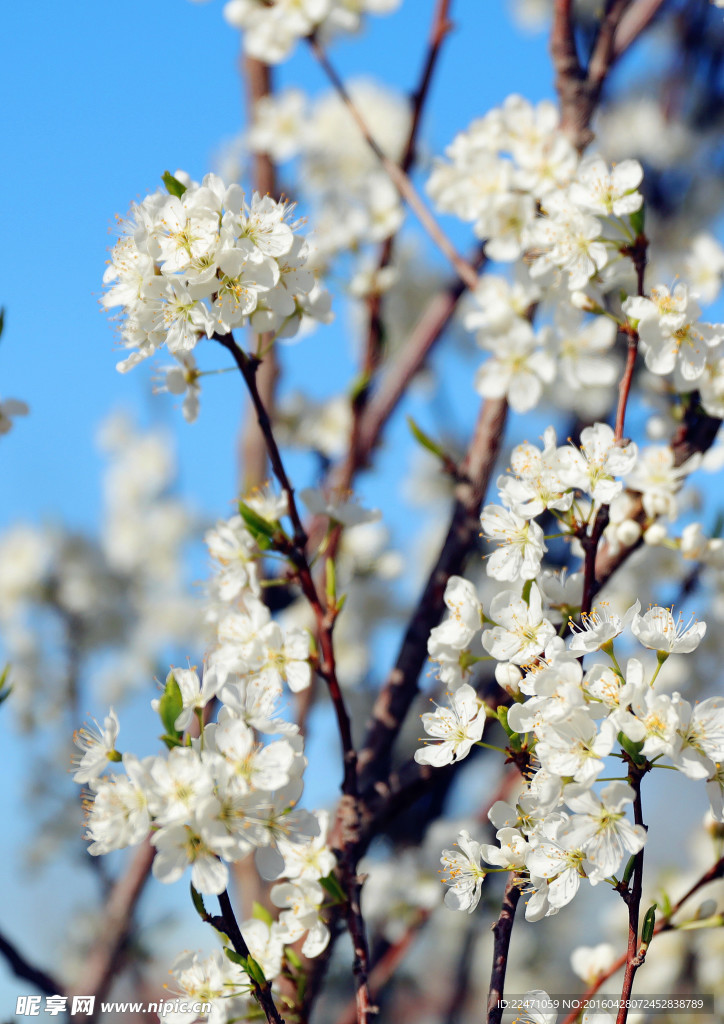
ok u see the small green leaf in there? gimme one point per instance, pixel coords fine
(359, 386)
(174, 187)
(293, 957)
(170, 707)
(261, 530)
(527, 587)
(236, 958)
(637, 220)
(647, 931)
(331, 884)
(632, 749)
(331, 582)
(198, 902)
(425, 440)
(5, 691)
(261, 913)
(628, 872)
(253, 969)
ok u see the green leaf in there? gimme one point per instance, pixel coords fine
(261, 530)
(359, 385)
(5, 691)
(637, 220)
(425, 440)
(293, 957)
(236, 958)
(630, 865)
(253, 969)
(632, 749)
(170, 707)
(198, 902)
(174, 187)
(261, 913)
(527, 587)
(647, 931)
(331, 884)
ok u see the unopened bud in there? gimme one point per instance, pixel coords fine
(628, 532)
(508, 676)
(656, 534)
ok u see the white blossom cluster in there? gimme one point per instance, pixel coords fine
(207, 261)
(569, 226)
(272, 28)
(232, 786)
(566, 718)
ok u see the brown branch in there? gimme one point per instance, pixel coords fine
(401, 687)
(388, 963)
(502, 930)
(399, 178)
(635, 20)
(579, 89)
(101, 963)
(22, 968)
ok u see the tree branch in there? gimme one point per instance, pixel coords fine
(502, 930)
(22, 968)
(400, 689)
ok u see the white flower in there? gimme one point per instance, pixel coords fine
(465, 874)
(600, 627)
(598, 462)
(459, 727)
(607, 192)
(99, 747)
(302, 899)
(657, 630)
(700, 746)
(342, 508)
(600, 828)
(521, 544)
(522, 631)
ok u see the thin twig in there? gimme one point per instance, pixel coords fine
(634, 959)
(349, 812)
(399, 178)
(229, 925)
